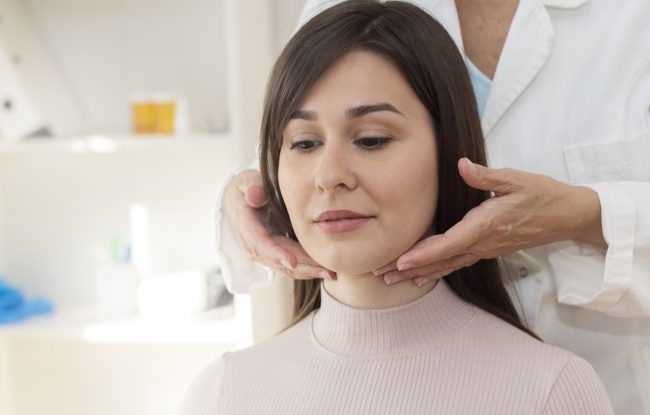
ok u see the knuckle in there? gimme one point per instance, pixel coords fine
(444, 264)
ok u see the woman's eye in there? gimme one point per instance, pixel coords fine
(372, 143)
(304, 146)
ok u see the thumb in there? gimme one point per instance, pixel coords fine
(249, 182)
(480, 177)
(256, 196)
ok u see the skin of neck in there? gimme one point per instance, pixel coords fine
(368, 291)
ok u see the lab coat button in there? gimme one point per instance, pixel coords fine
(523, 272)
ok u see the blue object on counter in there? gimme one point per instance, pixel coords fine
(15, 307)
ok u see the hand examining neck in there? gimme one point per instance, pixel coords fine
(367, 291)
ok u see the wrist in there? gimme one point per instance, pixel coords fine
(590, 228)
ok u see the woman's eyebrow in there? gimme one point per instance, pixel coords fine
(355, 112)
(362, 110)
(303, 115)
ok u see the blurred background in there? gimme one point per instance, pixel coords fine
(118, 120)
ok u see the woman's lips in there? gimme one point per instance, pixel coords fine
(342, 225)
(337, 221)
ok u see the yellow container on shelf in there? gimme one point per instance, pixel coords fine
(142, 114)
(159, 113)
(165, 113)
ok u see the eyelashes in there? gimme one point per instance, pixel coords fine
(304, 146)
(365, 143)
(372, 143)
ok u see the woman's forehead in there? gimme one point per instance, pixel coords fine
(358, 79)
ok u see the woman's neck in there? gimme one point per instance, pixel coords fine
(367, 291)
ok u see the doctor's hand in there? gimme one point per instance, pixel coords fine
(527, 210)
(243, 196)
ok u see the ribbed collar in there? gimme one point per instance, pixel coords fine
(390, 332)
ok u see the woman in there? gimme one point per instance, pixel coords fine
(368, 109)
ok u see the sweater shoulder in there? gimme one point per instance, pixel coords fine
(283, 345)
(578, 390)
(205, 394)
(493, 333)
(202, 397)
(562, 379)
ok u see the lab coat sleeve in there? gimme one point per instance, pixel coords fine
(241, 275)
(616, 281)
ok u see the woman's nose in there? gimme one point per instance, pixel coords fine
(335, 171)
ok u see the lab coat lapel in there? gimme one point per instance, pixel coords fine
(525, 52)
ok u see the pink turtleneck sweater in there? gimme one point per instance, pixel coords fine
(435, 355)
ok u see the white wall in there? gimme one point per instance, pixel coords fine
(285, 18)
(107, 49)
(2, 235)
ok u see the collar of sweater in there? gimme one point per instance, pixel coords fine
(415, 327)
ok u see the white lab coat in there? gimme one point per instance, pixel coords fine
(570, 99)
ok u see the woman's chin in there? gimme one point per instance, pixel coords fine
(360, 257)
(352, 266)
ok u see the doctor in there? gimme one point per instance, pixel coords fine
(564, 91)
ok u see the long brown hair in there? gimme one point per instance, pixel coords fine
(428, 58)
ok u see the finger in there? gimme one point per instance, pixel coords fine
(246, 179)
(249, 183)
(297, 250)
(305, 267)
(499, 181)
(300, 272)
(420, 281)
(456, 241)
(256, 196)
(389, 267)
(457, 262)
(306, 272)
(259, 242)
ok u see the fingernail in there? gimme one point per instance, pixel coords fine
(405, 265)
(325, 275)
(421, 281)
(472, 166)
(391, 277)
(382, 271)
(286, 264)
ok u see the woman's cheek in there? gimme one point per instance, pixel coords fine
(292, 191)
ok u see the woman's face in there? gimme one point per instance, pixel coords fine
(357, 167)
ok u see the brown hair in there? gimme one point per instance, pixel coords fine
(428, 58)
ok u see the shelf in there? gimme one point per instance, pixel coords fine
(100, 143)
(84, 324)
